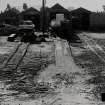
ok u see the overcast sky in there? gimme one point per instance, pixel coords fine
(93, 5)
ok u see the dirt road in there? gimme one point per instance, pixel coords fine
(70, 80)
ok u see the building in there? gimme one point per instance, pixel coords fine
(81, 18)
(97, 20)
(59, 12)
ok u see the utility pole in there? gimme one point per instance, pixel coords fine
(43, 15)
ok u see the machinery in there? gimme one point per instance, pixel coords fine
(26, 26)
(64, 30)
(26, 31)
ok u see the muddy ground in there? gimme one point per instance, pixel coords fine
(64, 78)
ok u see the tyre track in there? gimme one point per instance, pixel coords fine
(17, 56)
(11, 56)
(92, 45)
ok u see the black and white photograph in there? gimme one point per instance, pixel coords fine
(52, 52)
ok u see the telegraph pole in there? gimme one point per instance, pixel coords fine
(43, 16)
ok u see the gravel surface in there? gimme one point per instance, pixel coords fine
(21, 83)
(51, 75)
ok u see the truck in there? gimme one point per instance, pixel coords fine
(26, 27)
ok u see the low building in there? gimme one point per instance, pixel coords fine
(97, 20)
(58, 12)
(81, 18)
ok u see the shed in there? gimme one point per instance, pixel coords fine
(80, 17)
(58, 9)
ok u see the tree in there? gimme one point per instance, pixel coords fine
(8, 7)
(103, 7)
(25, 6)
(10, 16)
(15, 10)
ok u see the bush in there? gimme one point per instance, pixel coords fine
(6, 29)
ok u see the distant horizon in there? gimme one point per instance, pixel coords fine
(91, 5)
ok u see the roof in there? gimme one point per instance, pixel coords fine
(30, 11)
(80, 10)
(58, 8)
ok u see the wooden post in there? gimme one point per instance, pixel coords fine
(43, 16)
(70, 49)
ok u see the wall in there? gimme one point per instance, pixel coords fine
(97, 19)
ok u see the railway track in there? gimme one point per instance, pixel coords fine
(17, 56)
